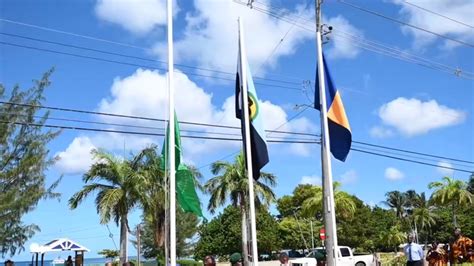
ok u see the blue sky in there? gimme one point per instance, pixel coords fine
(388, 101)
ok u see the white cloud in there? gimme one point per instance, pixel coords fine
(311, 180)
(443, 170)
(349, 177)
(144, 93)
(211, 34)
(412, 117)
(460, 10)
(393, 174)
(138, 17)
(342, 47)
(77, 157)
(380, 132)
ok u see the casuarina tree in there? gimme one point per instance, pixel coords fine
(24, 159)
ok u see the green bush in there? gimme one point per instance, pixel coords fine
(189, 263)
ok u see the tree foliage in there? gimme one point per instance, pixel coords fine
(292, 231)
(152, 198)
(24, 158)
(231, 182)
(115, 182)
(109, 253)
(222, 235)
(187, 224)
(345, 205)
(371, 228)
(451, 192)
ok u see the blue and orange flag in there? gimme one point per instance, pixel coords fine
(340, 136)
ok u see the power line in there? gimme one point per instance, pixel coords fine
(412, 161)
(111, 235)
(390, 149)
(227, 139)
(134, 64)
(403, 55)
(146, 118)
(269, 132)
(73, 34)
(405, 23)
(395, 52)
(413, 152)
(289, 120)
(138, 57)
(376, 47)
(417, 157)
(61, 231)
(280, 42)
(93, 38)
(62, 127)
(438, 14)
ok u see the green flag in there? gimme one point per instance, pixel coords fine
(177, 145)
(187, 196)
(185, 186)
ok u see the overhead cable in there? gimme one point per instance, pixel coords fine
(373, 46)
(136, 65)
(438, 14)
(226, 139)
(306, 134)
(406, 23)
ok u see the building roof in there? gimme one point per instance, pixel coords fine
(60, 244)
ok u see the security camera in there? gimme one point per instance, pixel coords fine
(330, 28)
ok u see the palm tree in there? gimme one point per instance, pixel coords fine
(423, 212)
(345, 203)
(115, 181)
(397, 201)
(412, 199)
(152, 196)
(392, 237)
(152, 190)
(231, 183)
(451, 192)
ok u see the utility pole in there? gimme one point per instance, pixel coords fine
(138, 244)
(328, 190)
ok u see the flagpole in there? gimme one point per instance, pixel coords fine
(328, 190)
(248, 149)
(171, 146)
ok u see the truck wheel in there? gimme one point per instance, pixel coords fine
(360, 264)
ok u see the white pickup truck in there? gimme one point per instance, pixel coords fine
(344, 258)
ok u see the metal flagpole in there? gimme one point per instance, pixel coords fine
(245, 104)
(328, 190)
(171, 141)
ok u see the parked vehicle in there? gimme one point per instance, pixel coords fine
(303, 262)
(345, 257)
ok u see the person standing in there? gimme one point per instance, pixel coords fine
(284, 259)
(413, 252)
(209, 261)
(236, 259)
(68, 262)
(436, 255)
(462, 248)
